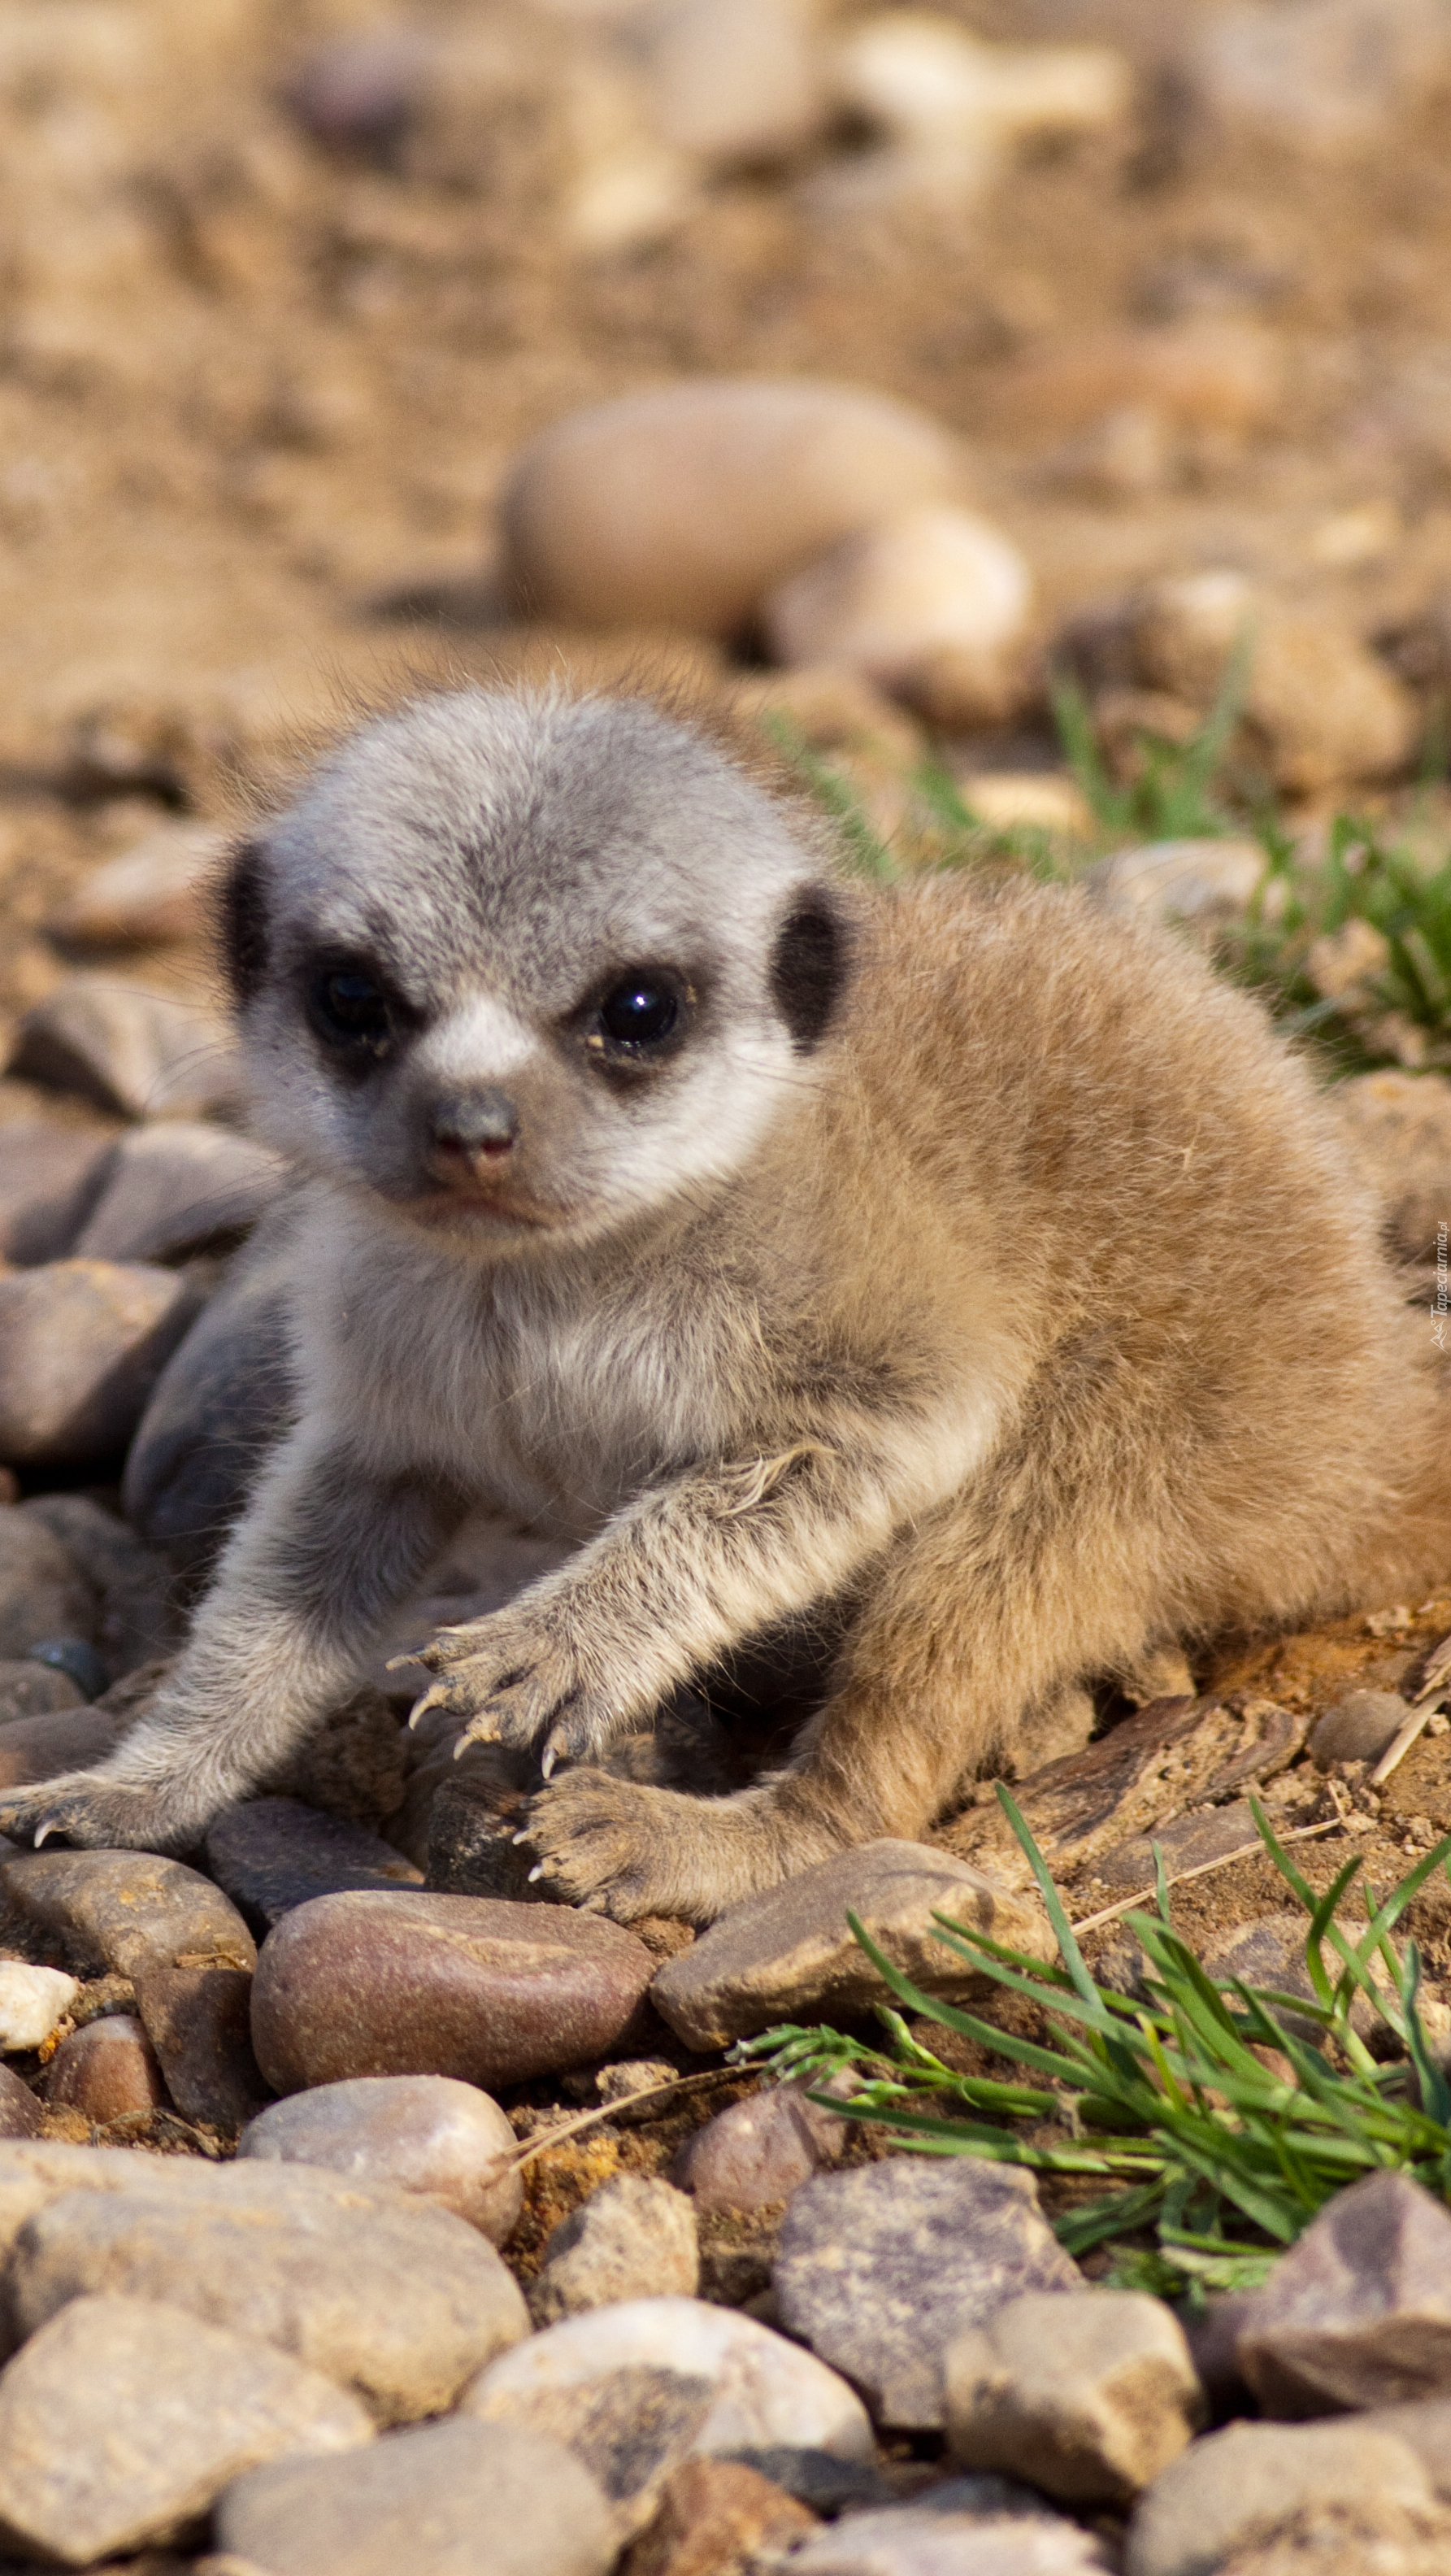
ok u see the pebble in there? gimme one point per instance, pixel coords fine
(682, 506)
(82, 1344)
(766, 2391)
(633, 2239)
(1201, 886)
(1358, 2311)
(437, 2501)
(735, 82)
(789, 1952)
(713, 2517)
(43, 1592)
(755, 2153)
(881, 2269)
(1241, 2485)
(360, 92)
(426, 2134)
(136, 1053)
(353, 1767)
(1221, 376)
(274, 1854)
(930, 591)
(32, 2001)
(1398, 1127)
(139, 1618)
(630, 2427)
(953, 106)
(400, 2302)
(421, 1984)
(75, 1662)
(123, 2419)
(31, 1689)
(198, 2019)
(67, 1739)
(107, 2070)
(177, 1189)
(1330, 77)
(1186, 1842)
(945, 2534)
(1089, 2401)
(223, 1398)
(151, 896)
(50, 1178)
(1358, 1728)
(21, 2115)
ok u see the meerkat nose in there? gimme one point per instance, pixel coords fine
(471, 1133)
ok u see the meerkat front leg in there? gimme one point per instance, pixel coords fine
(306, 1586)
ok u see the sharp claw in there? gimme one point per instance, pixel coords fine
(520, 1839)
(547, 1760)
(51, 1825)
(536, 1872)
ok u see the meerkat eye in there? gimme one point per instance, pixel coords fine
(349, 1010)
(642, 1010)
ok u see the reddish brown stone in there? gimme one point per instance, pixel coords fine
(107, 2070)
(713, 2517)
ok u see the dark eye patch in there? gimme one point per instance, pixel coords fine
(809, 967)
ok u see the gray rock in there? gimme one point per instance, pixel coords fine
(50, 1178)
(122, 2420)
(1424, 2425)
(1244, 2484)
(274, 1854)
(419, 1984)
(1398, 1127)
(398, 2301)
(137, 1053)
(789, 1952)
(82, 1344)
(139, 1617)
(222, 1401)
(423, 2133)
(35, 1690)
(829, 2486)
(756, 2152)
(633, 2239)
(765, 2392)
(21, 2115)
(107, 2070)
(43, 1592)
(68, 1739)
(1186, 1843)
(1089, 2401)
(935, 2537)
(1358, 2312)
(458, 2499)
(177, 1189)
(881, 2269)
(1358, 1728)
(631, 2429)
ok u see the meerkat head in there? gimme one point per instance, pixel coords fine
(526, 966)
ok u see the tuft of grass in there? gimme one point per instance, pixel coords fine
(1217, 2155)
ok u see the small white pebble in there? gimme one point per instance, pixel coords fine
(1438, 1725)
(32, 2001)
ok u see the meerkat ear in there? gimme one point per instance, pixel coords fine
(242, 909)
(809, 966)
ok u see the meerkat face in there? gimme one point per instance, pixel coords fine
(522, 965)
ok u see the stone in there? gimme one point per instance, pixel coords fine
(928, 592)
(1351, 2540)
(1008, 799)
(197, 2014)
(50, 1178)
(789, 1951)
(353, 1766)
(30, 1689)
(684, 505)
(1329, 77)
(122, 2420)
(631, 2428)
(1358, 2311)
(32, 2001)
(139, 1615)
(82, 1344)
(441, 2500)
(275, 1854)
(1358, 1728)
(21, 2116)
(953, 107)
(177, 1189)
(414, 1983)
(1398, 1128)
(1424, 2425)
(43, 1592)
(828, 2485)
(220, 1403)
(154, 894)
(1211, 374)
(1239, 2486)
(134, 1052)
(68, 1739)
(756, 2152)
(107, 2071)
(426, 2134)
(713, 2517)
(881, 2269)
(946, 2533)
(765, 2390)
(735, 82)
(400, 2302)
(1089, 2401)
(1186, 1842)
(78, 1663)
(632, 2239)
(359, 93)
(1201, 886)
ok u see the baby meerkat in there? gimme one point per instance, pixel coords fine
(946, 1260)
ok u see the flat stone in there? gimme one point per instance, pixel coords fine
(50, 1178)
(938, 2536)
(633, 2239)
(1089, 2401)
(400, 2302)
(274, 1854)
(83, 1345)
(1358, 1728)
(630, 2428)
(1398, 1127)
(29, 1689)
(683, 505)
(756, 2152)
(122, 2420)
(153, 894)
(32, 2001)
(198, 2018)
(67, 1739)
(456, 2499)
(766, 2391)
(1240, 2486)
(790, 1951)
(21, 2116)
(714, 2515)
(1186, 1842)
(881, 2269)
(43, 1592)
(1358, 2311)
(107, 2070)
(423, 2133)
(927, 593)
(125, 1910)
(137, 1053)
(177, 1189)
(419, 1984)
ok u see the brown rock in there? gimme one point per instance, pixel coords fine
(1088, 2400)
(125, 1910)
(1358, 2312)
(1398, 1126)
(633, 2239)
(1240, 2486)
(197, 2015)
(36, 1748)
(43, 1592)
(274, 1854)
(35, 1690)
(21, 2115)
(1186, 1842)
(1358, 1728)
(137, 1053)
(714, 2515)
(420, 1984)
(735, 81)
(757, 2152)
(1216, 375)
(83, 1344)
(893, 600)
(107, 2070)
(139, 1617)
(423, 2133)
(151, 895)
(50, 1177)
(176, 1189)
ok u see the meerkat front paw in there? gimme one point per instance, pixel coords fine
(519, 1678)
(98, 1814)
(604, 1844)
